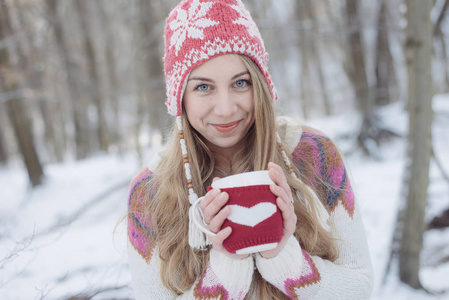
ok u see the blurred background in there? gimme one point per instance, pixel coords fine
(82, 96)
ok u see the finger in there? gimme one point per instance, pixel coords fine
(217, 222)
(208, 198)
(215, 206)
(281, 193)
(215, 179)
(289, 217)
(277, 175)
(221, 236)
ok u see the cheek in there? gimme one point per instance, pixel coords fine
(195, 110)
(248, 103)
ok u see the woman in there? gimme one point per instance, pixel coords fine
(220, 91)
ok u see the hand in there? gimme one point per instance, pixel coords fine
(284, 201)
(214, 214)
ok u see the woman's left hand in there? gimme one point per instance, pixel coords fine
(284, 201)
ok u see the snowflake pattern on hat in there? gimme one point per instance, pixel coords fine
(246, 20)
(190, 23)
(198, 30)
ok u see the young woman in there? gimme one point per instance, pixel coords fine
(220, 91)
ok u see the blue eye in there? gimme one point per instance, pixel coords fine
(202, 88)
(241, 83)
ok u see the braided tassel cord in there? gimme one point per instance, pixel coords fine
(197, 239)
(318, 207)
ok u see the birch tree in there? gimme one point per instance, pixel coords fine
(418, 49)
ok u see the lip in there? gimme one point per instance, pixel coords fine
(228, 127)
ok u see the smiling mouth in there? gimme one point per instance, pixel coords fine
(226, 128)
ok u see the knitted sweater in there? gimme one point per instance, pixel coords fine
(296, 273)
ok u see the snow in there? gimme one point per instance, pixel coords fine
(67, 237)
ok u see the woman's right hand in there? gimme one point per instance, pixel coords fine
(215, 212)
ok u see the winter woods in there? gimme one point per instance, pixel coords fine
(80, 78)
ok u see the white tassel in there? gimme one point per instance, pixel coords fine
(197, 239)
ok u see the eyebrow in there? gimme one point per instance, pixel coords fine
(210, 80)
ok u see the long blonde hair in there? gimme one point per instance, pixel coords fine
(169, 205)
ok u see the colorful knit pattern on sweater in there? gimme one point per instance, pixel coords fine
(294, 272)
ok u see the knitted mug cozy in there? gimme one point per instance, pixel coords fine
(255, 219)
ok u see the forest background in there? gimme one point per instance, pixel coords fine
(82, 89)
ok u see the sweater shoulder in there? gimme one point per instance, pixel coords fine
(314, 145)
(141, 233)
(319, 158)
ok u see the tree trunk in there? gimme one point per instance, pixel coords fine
(112, 91)
(4, 155)
(31, 58)
(151, 83)
(359, 79)
(10, 80)
(439, 35)
(316, 57)
(305, 78)
(418, 55)
(94, 84)
(384, 61)
(78, 106)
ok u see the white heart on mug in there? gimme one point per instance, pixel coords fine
(251, 216)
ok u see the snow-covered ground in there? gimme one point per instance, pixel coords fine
(66, 238)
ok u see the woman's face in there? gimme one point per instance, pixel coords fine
(219, 102)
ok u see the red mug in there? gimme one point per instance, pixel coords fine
(255, 218)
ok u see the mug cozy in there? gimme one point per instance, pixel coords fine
(198, 30)
(258, 222)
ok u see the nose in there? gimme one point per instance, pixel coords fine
(225, 104)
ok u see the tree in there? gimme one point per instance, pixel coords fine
(107, 22)
(12, 81)
(371, 131)
(32, 58)
(315, 52)
(149, 68)
(418, 54)
(385, 75)
(307, 96)
(357, 73)
(93, 83)
(441, 40)
(78, 107)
